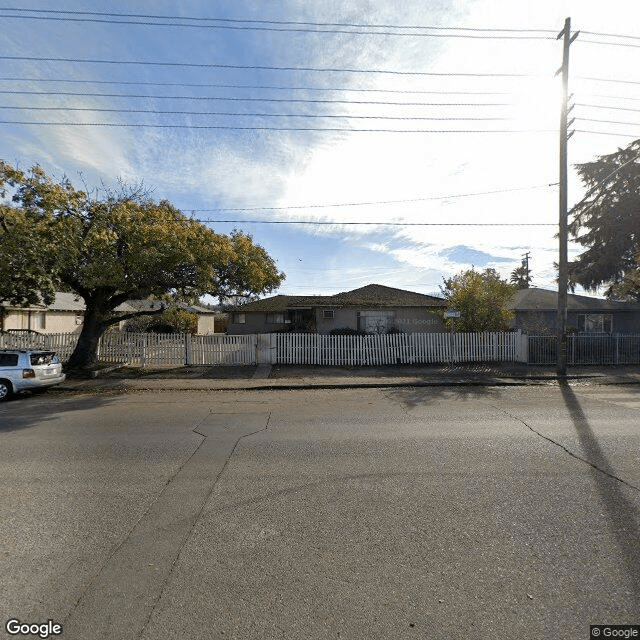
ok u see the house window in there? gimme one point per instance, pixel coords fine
(595, 322)
(239, 318)
(375, 321)
(275, 318)
(37, 321)
(328, 314)
(79, 318)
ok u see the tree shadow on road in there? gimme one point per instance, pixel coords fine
(623, 515)
(28, 410)
(413, 397)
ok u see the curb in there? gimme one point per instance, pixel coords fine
(256, 384)
(98, 372)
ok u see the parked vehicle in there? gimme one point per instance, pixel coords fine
(28, 369)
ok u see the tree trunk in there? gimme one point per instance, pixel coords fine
(84, 355)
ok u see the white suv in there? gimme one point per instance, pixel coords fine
(26, 369)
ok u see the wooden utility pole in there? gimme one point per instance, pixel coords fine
(563, 267)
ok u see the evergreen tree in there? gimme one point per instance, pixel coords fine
(607, 222)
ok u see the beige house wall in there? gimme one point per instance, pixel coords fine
(54, 321)
(206, 325)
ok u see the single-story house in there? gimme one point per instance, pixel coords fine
(208, 319)
(536, 312)
(66, 314)
(373, 308)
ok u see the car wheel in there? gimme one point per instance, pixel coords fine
(5, 390)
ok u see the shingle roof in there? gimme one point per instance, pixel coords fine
(73, 302)
(153, 305)
(61, 302)
(534, 299)
(371, 295)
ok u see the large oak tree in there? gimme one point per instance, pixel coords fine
(118, 247)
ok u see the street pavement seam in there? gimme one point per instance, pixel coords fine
(129, 533)
(566, 450)
(198, 515)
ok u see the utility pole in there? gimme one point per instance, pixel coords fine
(563, 267)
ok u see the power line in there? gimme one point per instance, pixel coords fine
(212, 65)
(600, 183)
(609, 35)
(239, 128)
(391, 224)
(604, 106)
(608, 44)
(383, 202)
(614, 80)
(637, 124)
(255, 115)
(278, 22)
(239, 99)
(261, 87)
(609, 133)
(350, 31)
(604, 95)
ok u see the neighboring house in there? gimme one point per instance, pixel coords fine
(372, 309)
(536, 312)
(66, 314)
(208, 319)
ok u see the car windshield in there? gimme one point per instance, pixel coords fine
(44, 357)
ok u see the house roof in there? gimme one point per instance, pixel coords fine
(534, 299)
(153, 305)
(61, 302)
(73, 302)
(371, 295)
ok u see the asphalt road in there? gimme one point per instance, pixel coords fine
(470, 512)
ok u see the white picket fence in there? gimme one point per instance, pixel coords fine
(288, 348)
(407, 348)
(177, 349)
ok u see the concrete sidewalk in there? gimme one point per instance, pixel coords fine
(306, 377)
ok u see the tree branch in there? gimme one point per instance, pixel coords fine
(127, 316)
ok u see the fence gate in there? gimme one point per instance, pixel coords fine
(223, 349)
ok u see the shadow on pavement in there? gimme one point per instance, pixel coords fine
(186, 372)
(27, 410)
(622, 513)
(412, 397)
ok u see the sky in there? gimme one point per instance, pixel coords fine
(439, 144)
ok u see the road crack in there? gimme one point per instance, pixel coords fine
(198, 516)
(605, 472)
(129, 533)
